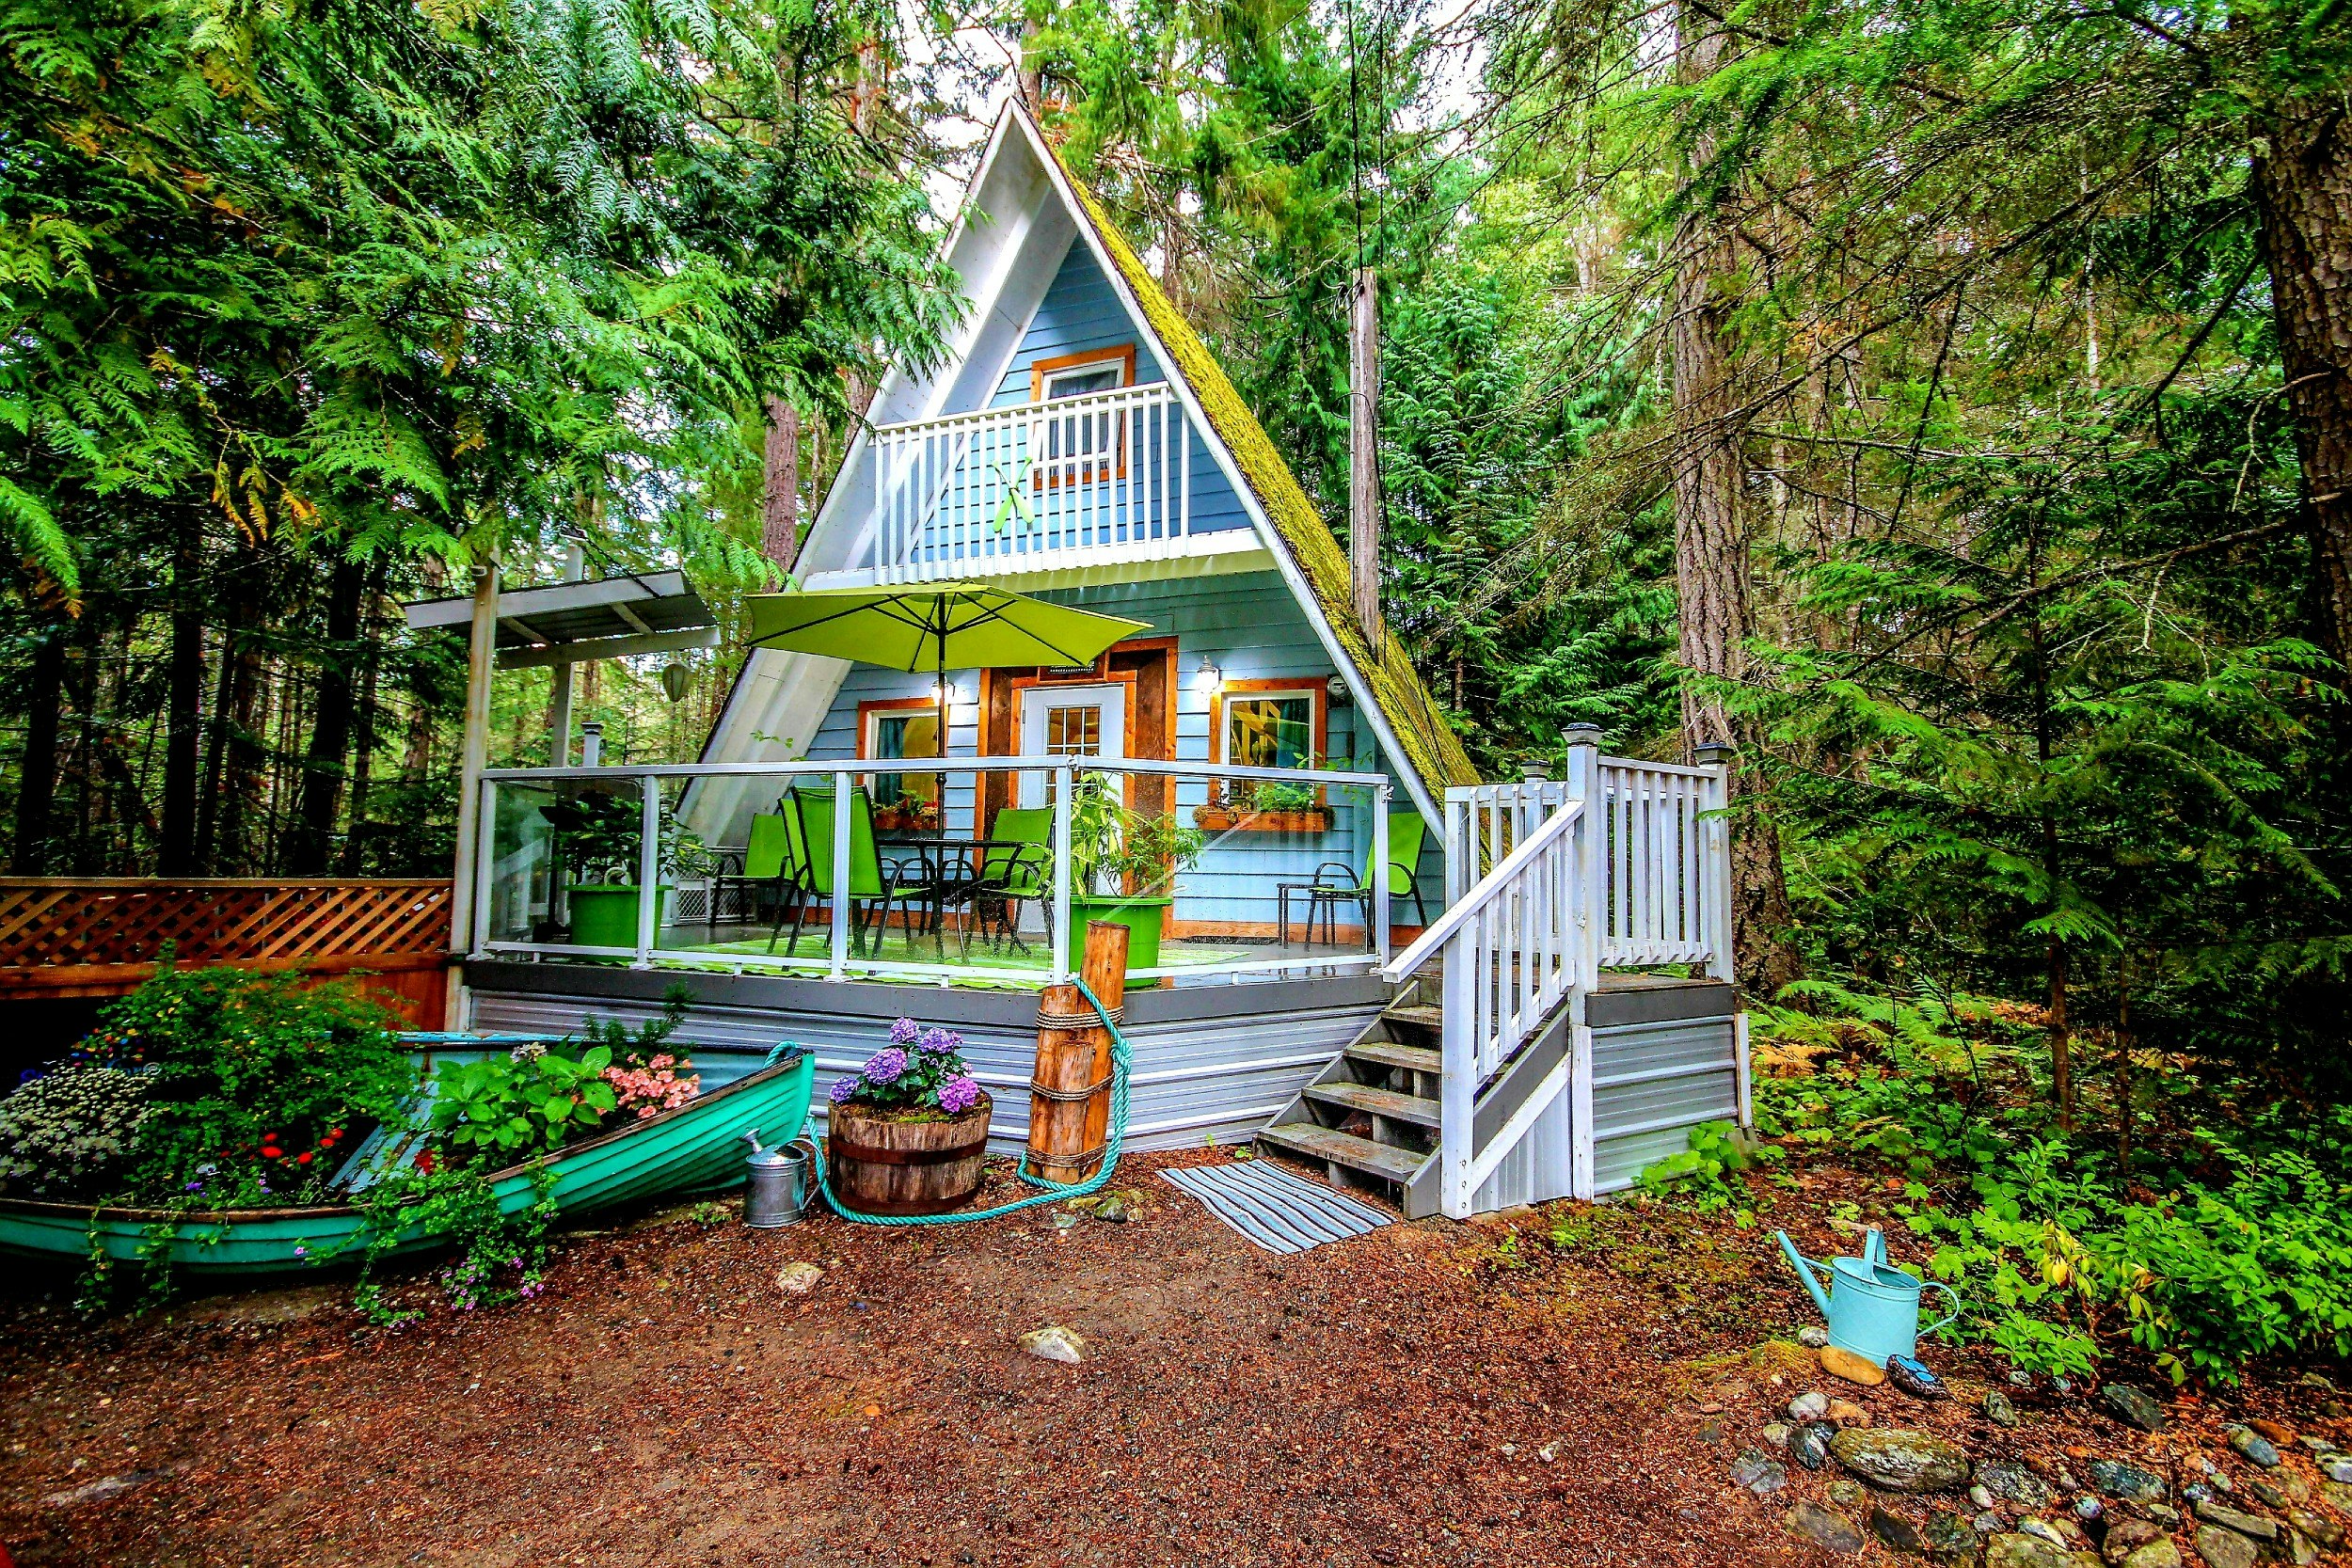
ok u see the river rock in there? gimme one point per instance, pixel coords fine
(1899, 1533)
(2043, 1530)
(1809, 1443)
(2133, 1407)
(1813, 1335)
(1845, 1492)
(1999, 1408)
(1055, 1343)
(1826, 1527)
(1775, 1434)
(1948, 1535)
(2253, 1447)
(1811, 1405)
(2118, 1479)
(2252, 1524)
(798, 1279)
(2015, 1484)
(2159, 1553)
(1901, 1460)
(2281, 1489)
(1845, 1414)
(2318, 1526)
(1758, 1473)
(1840, 1362)
(2278, 1432)
(2020, 1550)
(2225, 1548)
(2337, 1467)
(2127, 1536)
(2338, 1493)
(2299, 1549)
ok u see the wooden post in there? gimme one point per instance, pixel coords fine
(1069, 1093)
(1363, 454)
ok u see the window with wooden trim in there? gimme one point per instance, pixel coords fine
(1072, 439)
(1268, 723)
(898, 728)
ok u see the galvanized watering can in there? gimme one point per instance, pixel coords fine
(1871, 1306)
(777, 1191)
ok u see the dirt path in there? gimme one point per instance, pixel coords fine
(1432, 1393)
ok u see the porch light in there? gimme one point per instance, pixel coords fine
(1210, 676)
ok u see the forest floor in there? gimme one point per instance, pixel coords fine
(1567, 1385)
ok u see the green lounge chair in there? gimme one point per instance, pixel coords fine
(873, 889)
(1017, 864)
(1336, 882)
(775, 855)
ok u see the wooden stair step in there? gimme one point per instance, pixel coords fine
(1378, 1103)
(1415, 1058)
(1344, 1148)
(1420, 1017)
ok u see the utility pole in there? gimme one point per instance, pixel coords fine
(1363, 453)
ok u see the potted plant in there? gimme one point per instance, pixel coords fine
(908, 1131)
(597, 836)
(1263, 806)
(1112, 849)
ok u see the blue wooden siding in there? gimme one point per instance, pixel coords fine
(1250, 628)
(963, 502)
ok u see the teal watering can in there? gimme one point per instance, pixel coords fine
(1871, 1306)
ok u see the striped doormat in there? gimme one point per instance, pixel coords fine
(1279, 1212)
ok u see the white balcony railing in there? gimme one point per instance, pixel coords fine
(1002, 488)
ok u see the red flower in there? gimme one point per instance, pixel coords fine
(303, 1158)
(271, 1151)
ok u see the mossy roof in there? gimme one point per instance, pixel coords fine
(1413, 716)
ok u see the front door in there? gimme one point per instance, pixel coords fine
(1070, 720)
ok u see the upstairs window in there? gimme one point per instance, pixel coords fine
(1072, 441)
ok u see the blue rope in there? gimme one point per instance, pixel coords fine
(1122, 1059)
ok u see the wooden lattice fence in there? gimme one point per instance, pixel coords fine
(62, 936)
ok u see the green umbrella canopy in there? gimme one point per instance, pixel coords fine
(941, 626)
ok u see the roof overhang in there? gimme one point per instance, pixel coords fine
(566, 622)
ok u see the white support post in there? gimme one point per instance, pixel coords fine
(649, 873)
(841, 901)
(1589, 918)
(1458, 843)
(474, 757)
(1742, 1071)
(1583, 1183)
(1060, 938)
(1380, 872)
(1459, 1079)
(1717, 800)
(484, 859)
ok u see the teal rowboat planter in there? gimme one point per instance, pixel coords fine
(700, 1145)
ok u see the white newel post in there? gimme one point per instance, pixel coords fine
(842, 902)
(1590, 876)
(1060, 937)
(1380, 879)
(649, 872)
(1716, 799)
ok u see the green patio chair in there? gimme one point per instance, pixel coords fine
(1336, 883)
(873, 891)
(775, 857)
(1018, 863)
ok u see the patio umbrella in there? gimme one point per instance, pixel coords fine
(944, 625)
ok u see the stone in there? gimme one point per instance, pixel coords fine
(2252, 1524)
(1112, 1210)
(2163, 1514)
(2339, 1494)
(1810, 1444)
(98, 1491)
(1844, 1414)
(1980, 1496)
(1776, 1434)
(1988, 1523)
(1908, 1376)
(1811, 1405)
(2014, 1483)
(2253, 1447)
(1899, 1533)
(1999, 1408)
(2299, 1549)
(1055, 1343)
(2318, 1526)
(2133, 1407)
(1840, 1362)
(1947, 1534)
(2117, 1477)
(2127, 1536)
(2043, 1530)
(1758, 1473)
(2223, 1548)
(1813, 1335)
(2088, 1508)
(2278, 1432)
(2266, 1494)
(1901, 1460)
(1848, 1493)
(2337, 1467)
(2159, 1553)
(798, 1279)
(1826, 1527)
(2020, 1550)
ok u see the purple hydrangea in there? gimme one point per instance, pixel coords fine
(845, 1089)
(959, 1094)
(885, 1066)
(905, 1032)
(942, 1042)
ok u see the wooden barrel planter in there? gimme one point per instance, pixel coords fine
(884, 1163)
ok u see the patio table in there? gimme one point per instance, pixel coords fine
(950, 874)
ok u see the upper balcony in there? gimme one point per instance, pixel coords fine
(1114, 482)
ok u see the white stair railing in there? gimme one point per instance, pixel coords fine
(1622, 863)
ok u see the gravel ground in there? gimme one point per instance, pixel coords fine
(1570, 1386)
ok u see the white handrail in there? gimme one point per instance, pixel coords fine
(1465, 909)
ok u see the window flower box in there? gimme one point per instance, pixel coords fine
(1221, 817)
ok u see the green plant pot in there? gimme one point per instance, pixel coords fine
(604, 914)
(1142, 917)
